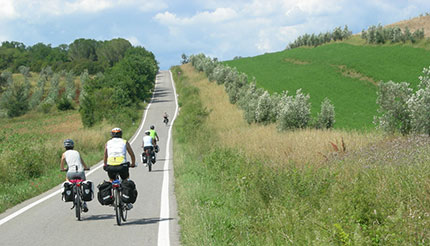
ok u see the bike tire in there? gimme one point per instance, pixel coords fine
(116, 205)
(123, 212)
(149, 166)
(78, 204)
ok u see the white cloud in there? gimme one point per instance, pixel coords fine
(7, 10)
(133, 40)
(30, 9)
(217, 16)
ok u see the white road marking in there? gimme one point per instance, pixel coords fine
(163, 225)
(22, 210)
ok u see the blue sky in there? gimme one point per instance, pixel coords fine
(218, 28)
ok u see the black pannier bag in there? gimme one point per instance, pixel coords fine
(87, 191)
(128, 191)
(105, 195)
(68, 194)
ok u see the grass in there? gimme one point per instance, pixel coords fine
(31, 148)
(374, 193)
(322, 72)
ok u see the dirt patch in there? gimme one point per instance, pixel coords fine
(351, 73)
(295, 61)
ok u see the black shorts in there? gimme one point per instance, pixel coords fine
(122, 170)
(151, 148)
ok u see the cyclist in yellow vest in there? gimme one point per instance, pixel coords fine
(116, 154)
(154, 136)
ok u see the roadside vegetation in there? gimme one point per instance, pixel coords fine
(310, 187)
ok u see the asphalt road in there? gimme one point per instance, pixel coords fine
(152, 221)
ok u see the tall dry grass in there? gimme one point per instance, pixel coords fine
(300, 147)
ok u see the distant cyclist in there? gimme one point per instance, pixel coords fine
(166, 118)
(75, 164)
(116, 154)
(154, 137)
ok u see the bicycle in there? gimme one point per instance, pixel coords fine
(148, 157)
(77, 193)
(119, 206)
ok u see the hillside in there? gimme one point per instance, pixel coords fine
(346, 74)
(414, 24)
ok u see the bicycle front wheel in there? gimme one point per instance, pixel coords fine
(117, 206)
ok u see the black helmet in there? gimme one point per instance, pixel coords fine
(116, 132)
(68, 143)
(152, 127)
(147, 132)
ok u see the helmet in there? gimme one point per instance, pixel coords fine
(116, 132)
(152, 127)
(68, 143)
(147, 132)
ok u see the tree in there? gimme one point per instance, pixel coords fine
(15, 98)
(326, 118)
(393, 108)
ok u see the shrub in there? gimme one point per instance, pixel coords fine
(326, 118)
(70, 86)
(37, 96)
(15, 99)
(294, 111)
(393, 108)
(264, 108)
(64, 104)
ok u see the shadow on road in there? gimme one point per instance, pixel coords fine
(159, 171)
(101, 217)
(146, 221)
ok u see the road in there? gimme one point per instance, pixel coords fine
(152, 221)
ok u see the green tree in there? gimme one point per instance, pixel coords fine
(15, 98)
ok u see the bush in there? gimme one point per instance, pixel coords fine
(294, 111)
(326, 118)
(64, 104)
(393, 108)
(15, 99)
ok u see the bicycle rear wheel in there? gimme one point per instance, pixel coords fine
(117, 206)
(78, 204)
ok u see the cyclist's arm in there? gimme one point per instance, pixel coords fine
(62, 162)
(130, 151)
(156, 135)
(105, 157)
(83, 163)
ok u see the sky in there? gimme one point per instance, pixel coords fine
(218, 28)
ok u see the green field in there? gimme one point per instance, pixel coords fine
(317, 71)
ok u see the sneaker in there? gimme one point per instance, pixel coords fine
(85, 207)
(129, 206)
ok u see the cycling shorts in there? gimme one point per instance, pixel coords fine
(120, 169)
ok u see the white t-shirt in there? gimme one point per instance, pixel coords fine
(147, 141)
(73, 160)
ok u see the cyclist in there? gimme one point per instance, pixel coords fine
(148, 144)
(116, 154)
(166, 118)
(75, 164)
(154, 136)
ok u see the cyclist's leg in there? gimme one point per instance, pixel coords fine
(124, 173)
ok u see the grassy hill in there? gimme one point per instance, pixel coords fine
(347, 74)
